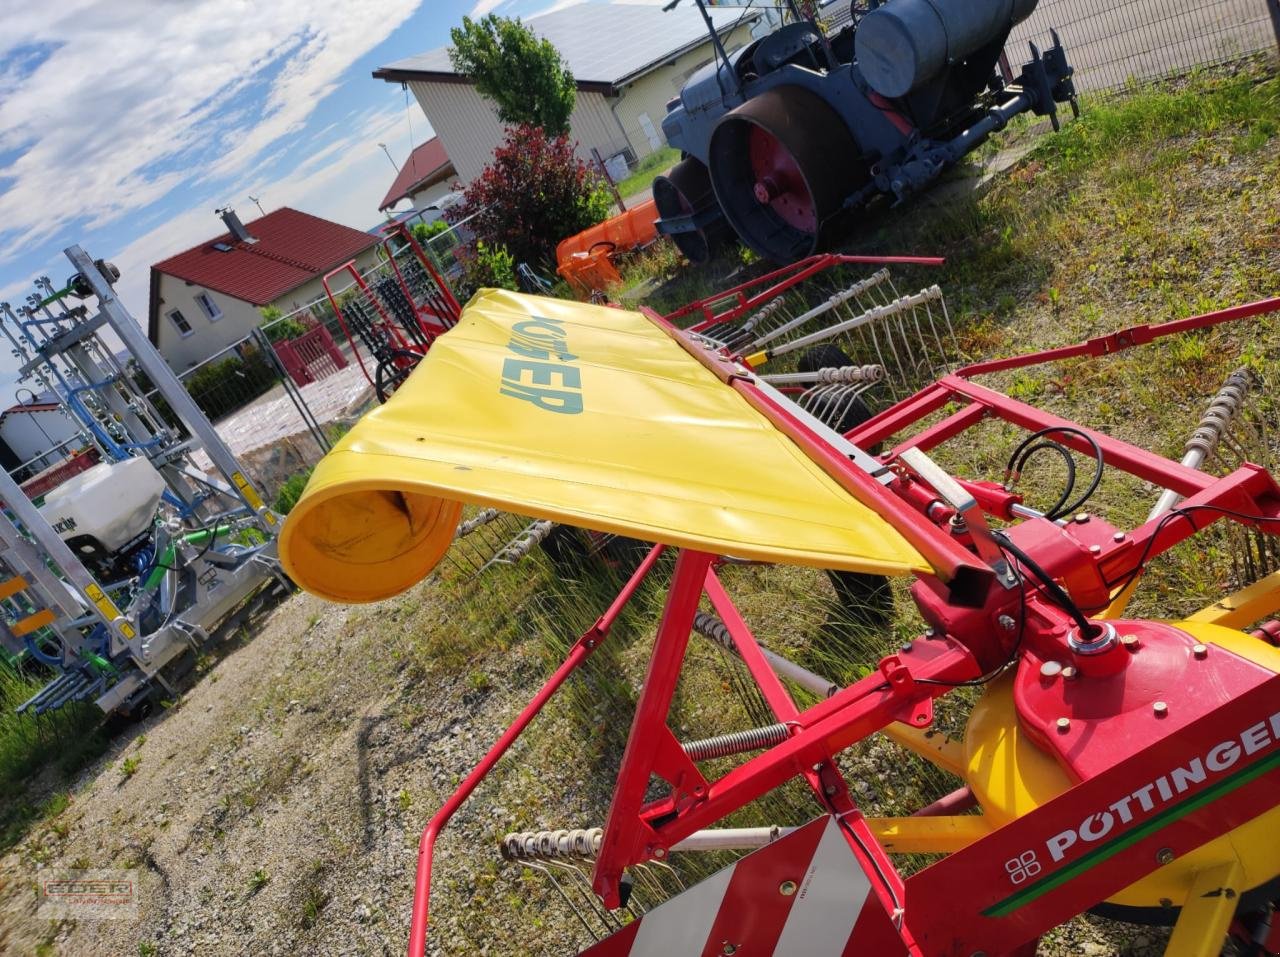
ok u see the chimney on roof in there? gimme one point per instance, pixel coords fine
(234, 226)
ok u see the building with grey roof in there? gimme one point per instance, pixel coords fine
(628, 60)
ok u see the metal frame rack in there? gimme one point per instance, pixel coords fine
(210, 546)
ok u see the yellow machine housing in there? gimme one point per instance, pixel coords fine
(1011, 776)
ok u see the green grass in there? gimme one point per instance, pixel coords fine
(62, 742)
(642, 176)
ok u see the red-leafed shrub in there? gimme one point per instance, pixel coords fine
(533, 194)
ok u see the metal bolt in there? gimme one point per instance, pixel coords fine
(1095, 549)
(1164, 855)
(1064, 725)
(906, 647)
(929, 632)
(1082, 518)
(829, 790)
(787, 888)
(1130, 642)
(659, 852)
(1166, 903)
(1200, 651)
(1160, 708)
(728, 948)
(1006, 622)
(1118, 537)
(1069, 672)
(1050, 669)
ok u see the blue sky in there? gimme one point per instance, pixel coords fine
(124, 124)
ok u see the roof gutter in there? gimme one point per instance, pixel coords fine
(612, 88)
(392, 75)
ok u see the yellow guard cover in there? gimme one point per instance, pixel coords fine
(578, 413)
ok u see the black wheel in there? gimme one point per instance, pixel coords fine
(782, 165)
(686, 190)
(864, 599)
(571, 549)
(567, 549)
(825, 356)
(847, 414)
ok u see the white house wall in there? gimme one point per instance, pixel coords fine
(30, 434)
(649, 95)
(239, 318)
(468, 125)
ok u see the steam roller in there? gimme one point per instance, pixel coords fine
(1106, 762)
(797, 132)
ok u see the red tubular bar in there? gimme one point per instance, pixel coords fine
(775, 695)
(1125, 338)
(579, 653)
(942, 552)
(649, 725)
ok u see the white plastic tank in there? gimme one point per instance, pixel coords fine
(114, 502)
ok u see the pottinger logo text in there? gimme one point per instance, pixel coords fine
(1153, 796)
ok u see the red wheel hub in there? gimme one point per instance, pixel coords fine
(779, 183)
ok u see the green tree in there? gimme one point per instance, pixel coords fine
(523, 75)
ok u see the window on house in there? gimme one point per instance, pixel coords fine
(208, 306)
(180, 321)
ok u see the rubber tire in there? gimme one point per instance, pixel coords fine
(863, 596)
(829, 357)
(824, 356)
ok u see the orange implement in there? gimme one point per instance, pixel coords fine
(625, 231)
(583, 259)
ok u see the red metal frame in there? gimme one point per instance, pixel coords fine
(431, 320)
(779, 281)
(578, 653)
(964, 902)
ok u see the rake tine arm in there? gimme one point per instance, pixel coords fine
(579, 653)
(1124, 339)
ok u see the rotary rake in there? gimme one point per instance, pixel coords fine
(1096, 762)
(393, 311)
(826, 343)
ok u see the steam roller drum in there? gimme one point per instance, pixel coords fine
(782, 165)
(686, 190)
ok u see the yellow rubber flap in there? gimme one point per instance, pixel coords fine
(581, 414)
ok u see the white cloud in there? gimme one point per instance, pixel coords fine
(484, 7)
(558, 5)
(346, 191)
(137, 94)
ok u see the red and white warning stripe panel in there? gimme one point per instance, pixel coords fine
(802, 896)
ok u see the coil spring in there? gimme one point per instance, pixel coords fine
(858, 288)
(479, 519)
(1222, 410)
(580, 843)
(736, 742)
(851, 375)
(531, 537)
(709, 626)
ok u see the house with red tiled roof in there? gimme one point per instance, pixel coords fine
(211, 296)
(425, 177)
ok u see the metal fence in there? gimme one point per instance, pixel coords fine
(1114, 42)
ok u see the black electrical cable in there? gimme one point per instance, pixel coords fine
(1070, 463)
(1099, 462)
(1183, 512)
(1015, 649)
(1055, 591)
